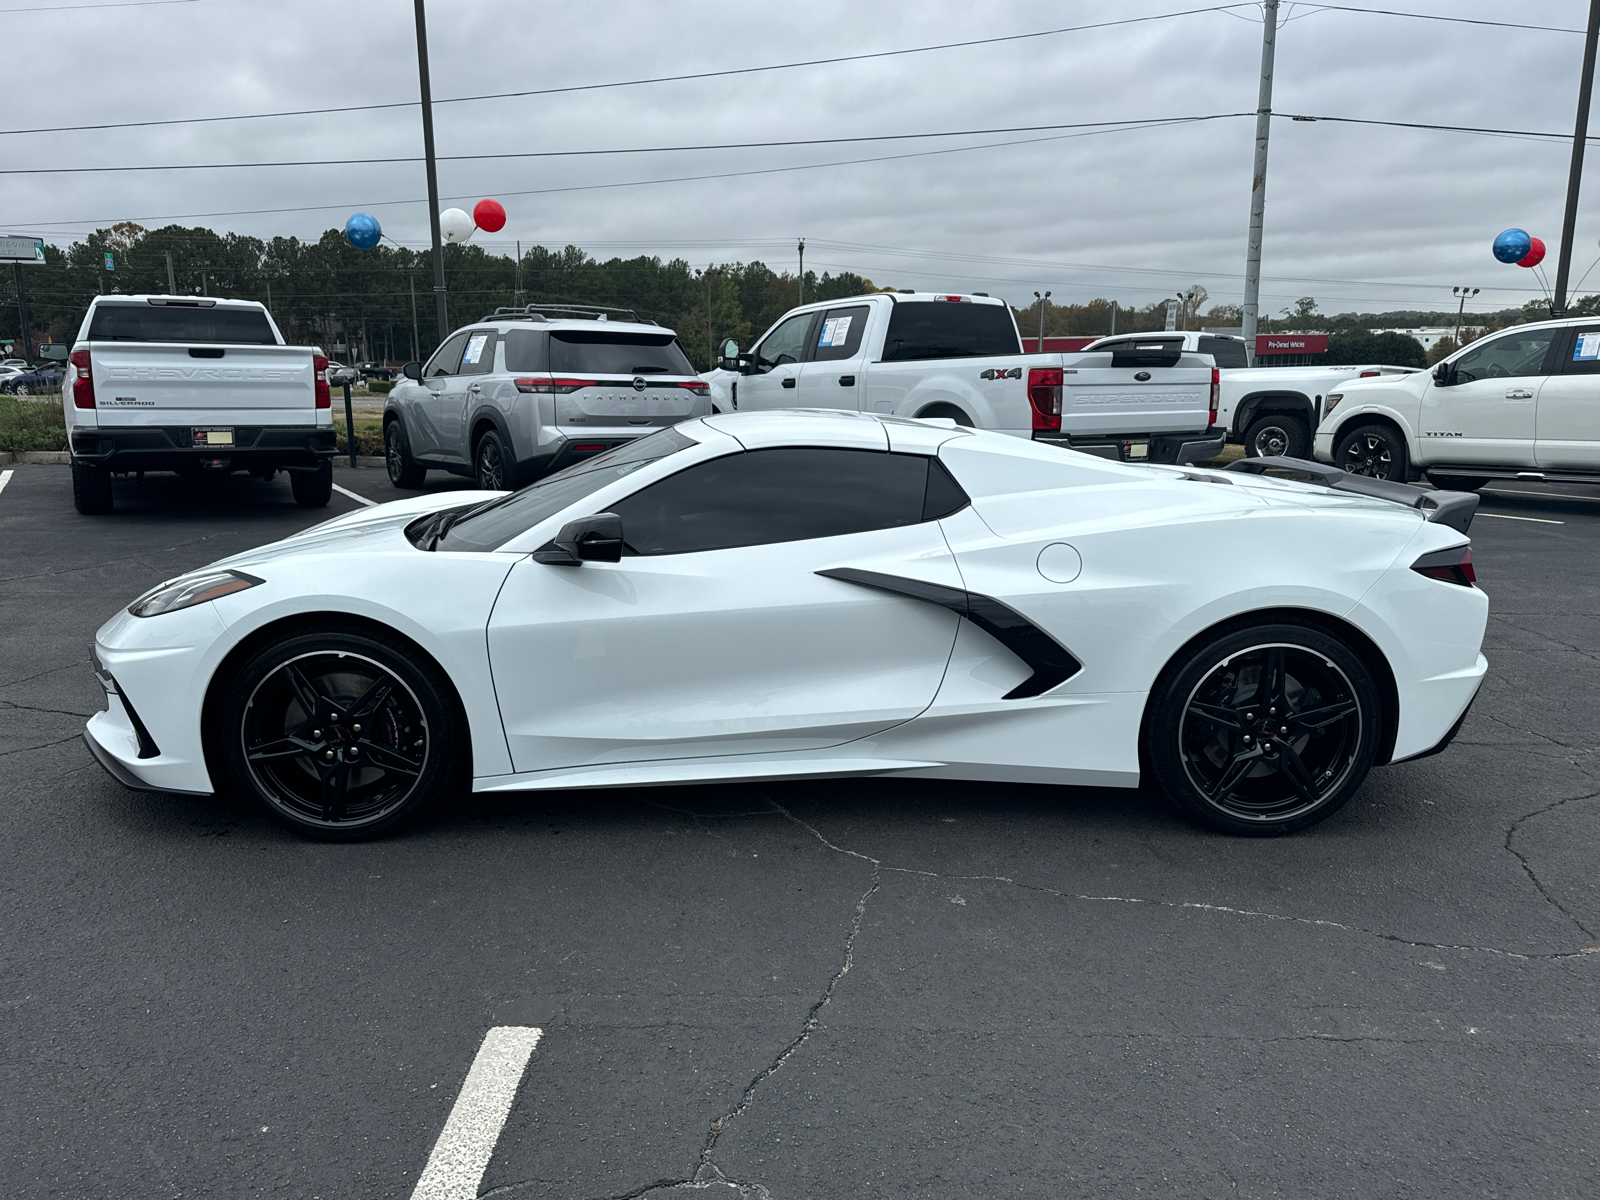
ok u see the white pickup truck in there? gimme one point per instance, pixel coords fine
(1270, 410)
(921, 354)
(176, 383)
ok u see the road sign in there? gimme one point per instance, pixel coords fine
(110, 266)
(22, 250)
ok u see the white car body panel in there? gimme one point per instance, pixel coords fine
(745, 664)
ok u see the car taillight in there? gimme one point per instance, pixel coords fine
(1044, 394)
(547, 384)
(698, 386)
(1452, 566)
(1216, 393)
(1370, 374)
(83, 385)
(319, 369)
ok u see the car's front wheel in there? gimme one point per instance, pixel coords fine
(1377, 451)
(1265, 730)
(342, 735)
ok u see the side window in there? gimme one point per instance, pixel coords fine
(478, 356)
(923, 329)
(1225, 352)
(1583, 354)
(785, 344)
(525, 350)
(839, 335)
(761, 497)
(445, 358)
(1505, 356)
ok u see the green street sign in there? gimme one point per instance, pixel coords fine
(110, 266)
(21, 250)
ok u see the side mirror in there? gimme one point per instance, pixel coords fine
(412, 371)
(1444, 374)
(588, 539)
(728, 355)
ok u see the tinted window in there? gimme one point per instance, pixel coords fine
(595, 353)
(525, 350)
(945, 329)
(1225, 352)
(765, 496)
(168, 323)
(445, 358)
(1583, 355)
(785, 344)
(1504, 357)
(477, 358)
(491, 525)
(839, 334)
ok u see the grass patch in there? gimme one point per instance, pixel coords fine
(27, 424)
(369, 435)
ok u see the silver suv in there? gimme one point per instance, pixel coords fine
(527, 391)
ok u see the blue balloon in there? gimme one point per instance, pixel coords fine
(1512, 245)
(363, 231)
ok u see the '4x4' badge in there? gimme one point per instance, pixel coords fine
(1002, 373)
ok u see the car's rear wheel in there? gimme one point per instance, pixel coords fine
(342, 735)
(403, 469)
(1277, 434)
(313, 488)
(492, 464)
(91, 488)
(1377, 451)
(1265, 730)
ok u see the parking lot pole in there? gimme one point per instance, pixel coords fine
(433, 172)
(1258, 180)
(350, 424)
(1580, 135)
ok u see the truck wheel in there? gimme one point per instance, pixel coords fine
(1376, 451)
(91, 488)
(1277, 434)
(403, 471)
(314, 488)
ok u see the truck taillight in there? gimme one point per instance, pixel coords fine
(1044, 394)
(83, 385)
(1216, 393)
(319, 366)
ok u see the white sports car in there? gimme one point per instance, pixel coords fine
(786, 595)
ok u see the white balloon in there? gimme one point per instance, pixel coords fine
(456, 225)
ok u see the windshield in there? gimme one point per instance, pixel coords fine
(584, 352)
(492, 525)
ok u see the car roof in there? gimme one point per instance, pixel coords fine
(502, 324)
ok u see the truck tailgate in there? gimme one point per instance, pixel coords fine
(1112, 400)
(160, 384)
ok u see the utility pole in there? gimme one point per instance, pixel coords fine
(711, 338)
(172, 282)
(1043, 300)
(416, 343)
(516, 298)
(22, 312)
(803, 262)
(1258, 182)
(1113, 319)
(433, 173)
(1460, 308)
(1580, 134)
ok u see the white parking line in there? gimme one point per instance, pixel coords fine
(461, 1155)
(1509, 517)
(343, 491)
(5, 478)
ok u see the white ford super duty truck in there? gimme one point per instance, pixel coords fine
(176, 383)
(1269, 410)
(959, 357)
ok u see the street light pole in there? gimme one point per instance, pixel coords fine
(1044, 299)
(1258, 182)
(803, 259)
(1460, 308)
(433, 173)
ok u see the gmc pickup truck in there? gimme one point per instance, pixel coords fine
(176, 383)
(1270, 410)
(958, 357)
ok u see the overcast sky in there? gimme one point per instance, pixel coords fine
(1362, 218)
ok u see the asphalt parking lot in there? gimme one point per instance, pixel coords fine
(863, 989)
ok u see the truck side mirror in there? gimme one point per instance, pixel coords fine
(1444, 374)
(728, 355)
(588, 539)
(412, 370)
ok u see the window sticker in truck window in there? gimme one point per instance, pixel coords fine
(1587, 348)
(835, 331)
(475, 345)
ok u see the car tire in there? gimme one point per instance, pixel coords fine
(492, 465)
(1376, 451)
(91, 488)
(313, 488)
(403, 469)
(342, 735)
(1214, 738)
(1283, 435)
(1458, 483)
(21, 389)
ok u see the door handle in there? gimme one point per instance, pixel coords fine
(788, 381)
(475, 387)
(1519, 395)
(847, 381)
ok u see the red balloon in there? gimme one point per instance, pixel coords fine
(1534, 256)
(490, 216)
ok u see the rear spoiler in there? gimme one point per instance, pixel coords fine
(1452, 509)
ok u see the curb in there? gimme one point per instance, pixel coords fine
(61, 458)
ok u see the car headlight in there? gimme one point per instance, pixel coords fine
(189, 590)
(1331, 402)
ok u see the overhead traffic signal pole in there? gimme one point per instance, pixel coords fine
(433, 173)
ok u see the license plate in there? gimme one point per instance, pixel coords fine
(213, 437)
(1138, 450)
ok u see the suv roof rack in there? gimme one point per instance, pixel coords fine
(556, 312)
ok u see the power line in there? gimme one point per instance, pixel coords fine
(1391, 12)
(590, 87)
(114, 4)
(1535, 134)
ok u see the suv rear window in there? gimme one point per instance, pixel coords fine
(170, 323)
(601, 353)
(947, 329)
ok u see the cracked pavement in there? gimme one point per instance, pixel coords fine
(862, 988)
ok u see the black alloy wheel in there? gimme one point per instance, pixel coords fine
(403, 471)
(1277, 434)
(491, 464)
(340, 736)
(1264, 731)
(1375, 451)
